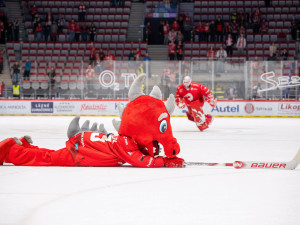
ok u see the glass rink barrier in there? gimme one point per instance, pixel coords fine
(228, 79)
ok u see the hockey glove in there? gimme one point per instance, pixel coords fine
(213, 102)
(174, 162)
(180, 102)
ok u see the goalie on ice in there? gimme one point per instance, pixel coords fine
(193, 95)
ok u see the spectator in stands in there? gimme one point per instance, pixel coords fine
(89, 74)
(211, 53)
(172, 35)
(49, 18)
(294, 28)
(52, 77)
(27, 69)
(16, 90)
(131, 56)
(221, 56)
(241, 21)
(232, 92)
(219, 29)
(206, 31)
(38, 32)
(233, 15)
(256, 21)
(16, 28)
(109, 60)
(256, 94)
(2, 33)
(81, 12)
(284, 54)
(98, 68)
(77, 32)
(179, 37)
(16, 73)
(101, 54)
(200, 31)
(242, 30)
(187, 28)
(147, 57)
(179, 50)
(33, 11)
(72, 27)
(53, 31)
(227, 30)
(175, 25)
(234, 30)
(9, 30)
(272, 57)
(212, 31)
(273, 49)
(264, 26)
(2, 86)
(36, 21)
(138, 54)
(229, 45)
(93, 32)
(47, 30)
(166, 32)
(249, 19)
(241, 45)
(93, 53)
(84, 32)
(172, 50)
(61, 23)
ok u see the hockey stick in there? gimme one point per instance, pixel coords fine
(254, 164)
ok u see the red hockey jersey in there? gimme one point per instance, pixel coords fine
(195, 92)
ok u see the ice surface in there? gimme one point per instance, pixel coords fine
(162, 196)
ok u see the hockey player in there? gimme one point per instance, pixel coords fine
(193, 95)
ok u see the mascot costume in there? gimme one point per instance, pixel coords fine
(144, 128)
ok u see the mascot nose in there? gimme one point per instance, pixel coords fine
(176, 149)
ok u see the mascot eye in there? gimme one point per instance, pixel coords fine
(163, 126)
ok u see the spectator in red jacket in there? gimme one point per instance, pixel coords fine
(72, 28)
(172, 50)
(211, 53)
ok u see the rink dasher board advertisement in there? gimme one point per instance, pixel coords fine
(109, 108)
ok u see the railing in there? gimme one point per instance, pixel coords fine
(227, 79)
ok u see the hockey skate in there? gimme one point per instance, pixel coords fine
(189, 116)
(208, 120)
(5, 146)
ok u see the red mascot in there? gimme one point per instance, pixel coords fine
(144, 127)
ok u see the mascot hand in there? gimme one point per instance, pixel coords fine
(174, 162)
(180, 102)
(212, 101)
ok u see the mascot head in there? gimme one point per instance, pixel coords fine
(146, 119)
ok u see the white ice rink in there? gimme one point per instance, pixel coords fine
(162, 196)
